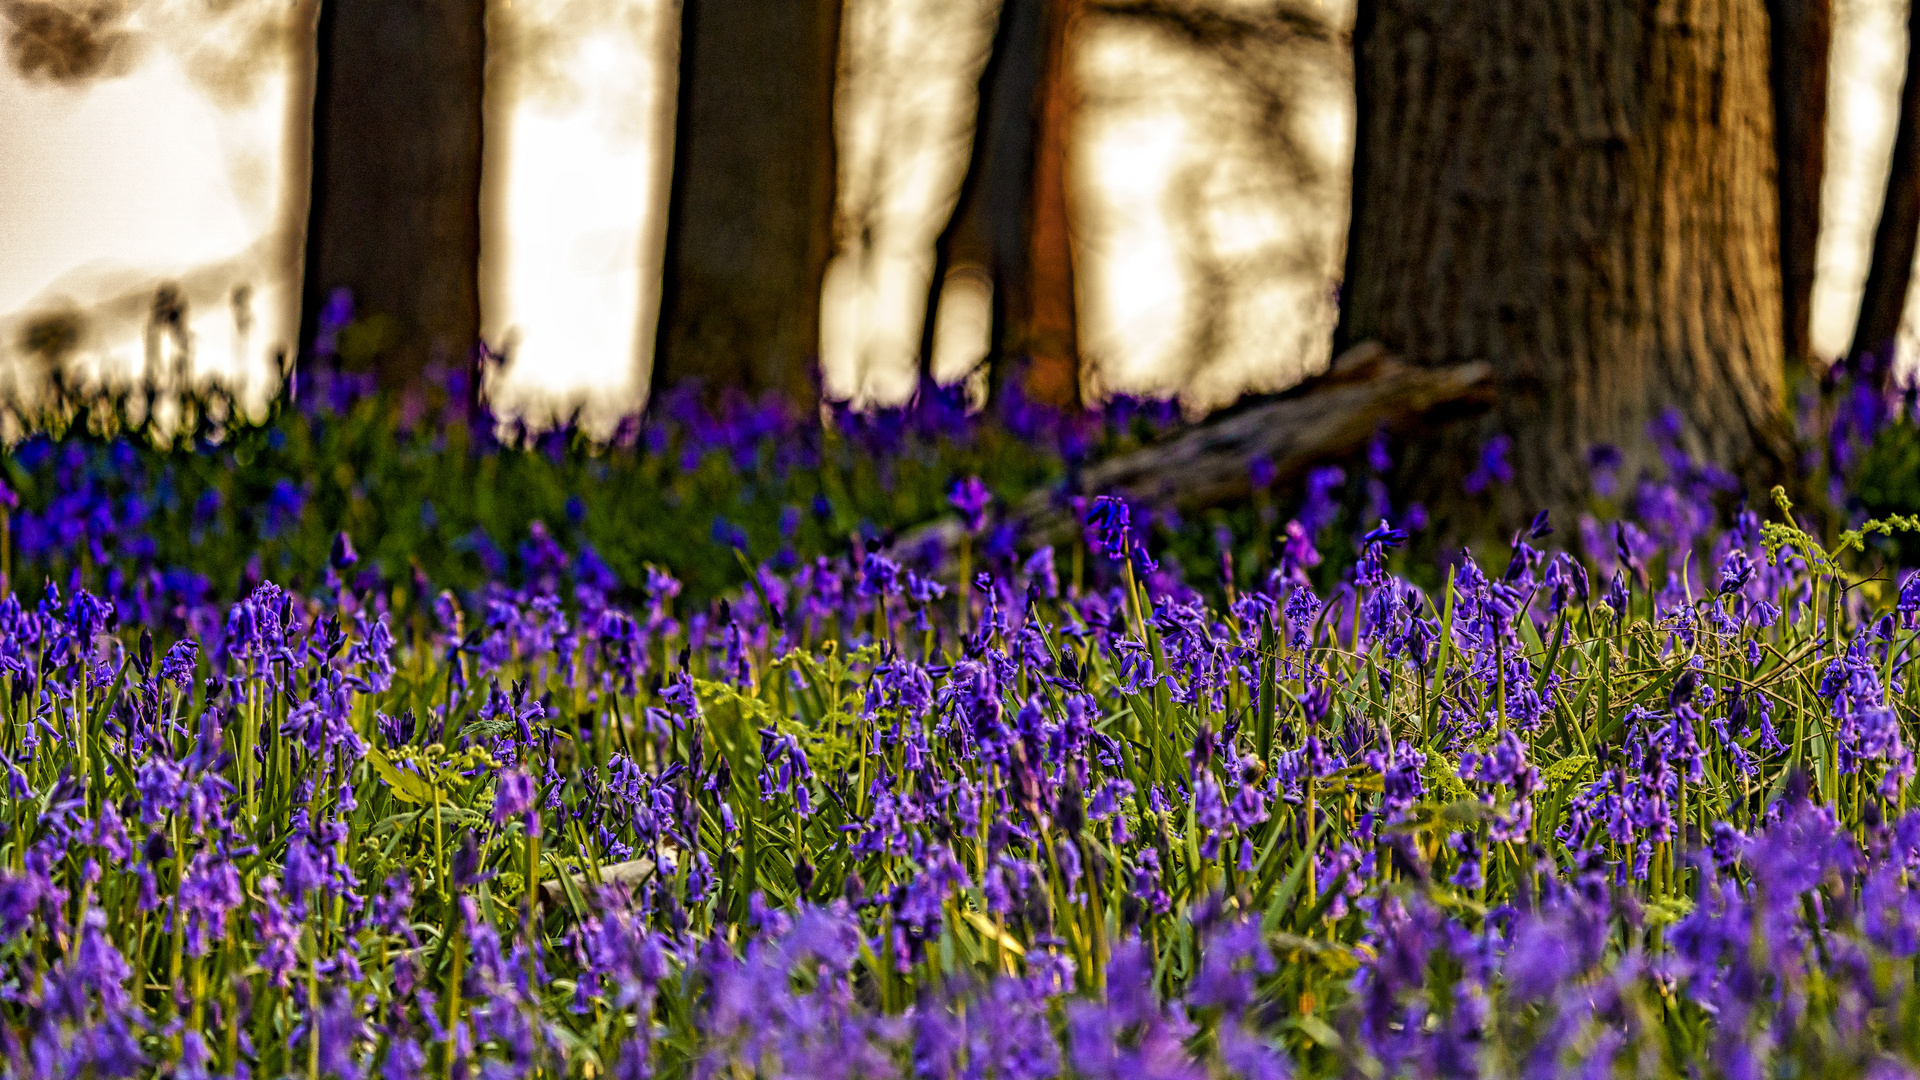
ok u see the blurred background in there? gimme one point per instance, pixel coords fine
(1173, 174)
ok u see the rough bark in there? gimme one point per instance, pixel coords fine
(1802, 38)
(750, 210)
(395, 209)
(1011, 219)
(1891, 268)
(1580, 193)
(1331, 416)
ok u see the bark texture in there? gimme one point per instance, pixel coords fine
(1010, 221)
(750, 213)
(1891, 268)
(1802, 40)
(1580, 193)
(395, 210)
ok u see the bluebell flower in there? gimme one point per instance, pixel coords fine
(971, 498)
(1109, 519)
(1492, 467)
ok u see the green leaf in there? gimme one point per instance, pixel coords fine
(1283, 900)
(405, 786)
(993, 933)
(1318, 1030)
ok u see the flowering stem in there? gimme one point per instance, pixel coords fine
(78, 720)
(1133, 596)
(1430, 714)
(440, 848)
(1311, 835)
(178, 938)
(313, 1007)
(199, 977)
(230, 996)
(533, 875)
(1499, 680)
(1266, 692)
(965, 589)
(453, 986)
(248, 729)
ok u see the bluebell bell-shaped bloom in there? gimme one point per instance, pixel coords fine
(1110, 521)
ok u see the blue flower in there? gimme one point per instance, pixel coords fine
(1492, 467)
(1111, 523)
(971, 498)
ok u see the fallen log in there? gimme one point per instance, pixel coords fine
(1331, 416)
(631, 873)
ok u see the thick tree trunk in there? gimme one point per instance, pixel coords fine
(749, 226)
(1580, 193)
(1010, 221)
(1802, 39)
(987, 231)
(1052, 331)
(395, 212)
(1891, 268)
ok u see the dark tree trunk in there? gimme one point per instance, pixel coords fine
(1802, 39)
(1580, 193)
(1894, 238)
(1010, 221)
(1052, 346)
(750, 213)
(395, 211)
(987, 231)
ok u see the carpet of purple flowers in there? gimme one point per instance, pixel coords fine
(1643, 810)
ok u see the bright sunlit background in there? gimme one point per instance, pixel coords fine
(1209, 196)
(1867, 66)
(906, 105)
(578, 101)
(180, 158)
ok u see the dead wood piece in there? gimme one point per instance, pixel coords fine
(1366, 390)
(630, 874)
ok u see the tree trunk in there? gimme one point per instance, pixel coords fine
(1802, 39)
(1894, 238)
(750, 213)
(1580, 193)
(1010, 221)
(1052, 331)
(987, 231)
(395, 212)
